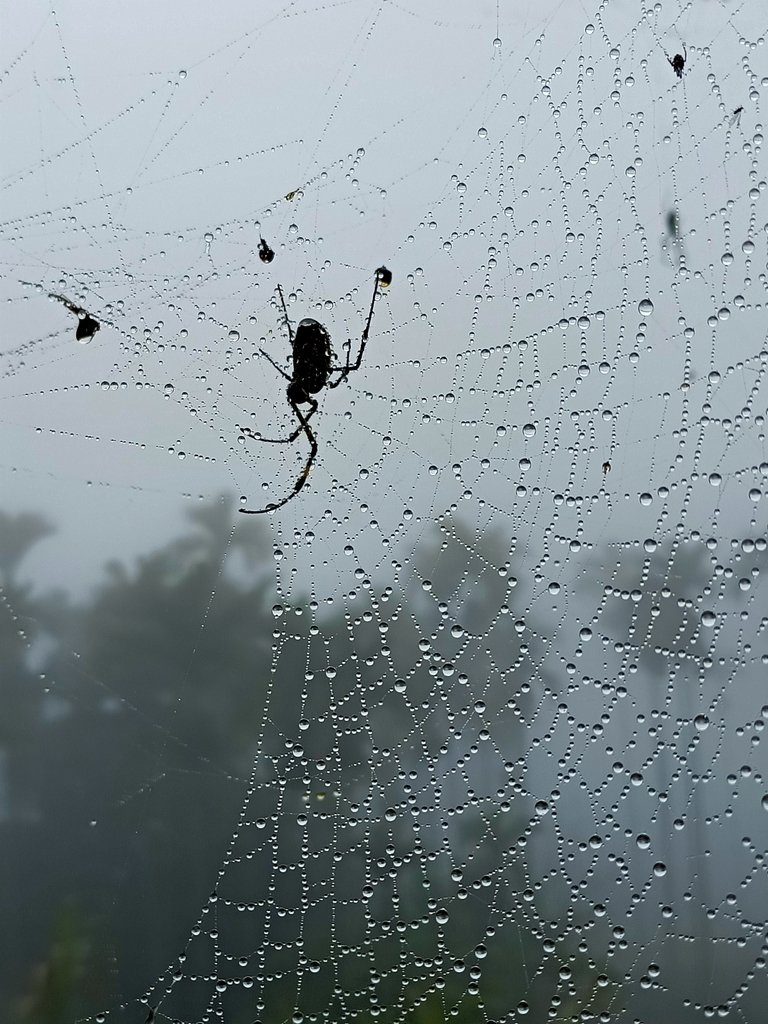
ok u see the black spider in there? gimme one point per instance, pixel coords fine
(677, 63)
(86, 324)
(266, 255)
(312, 369)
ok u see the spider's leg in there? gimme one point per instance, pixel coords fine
(312, 441)
(346, 370)
(271, 440)
(304, 421)
(278, 368)
(274, 440)
(280, 440)
(285, 314)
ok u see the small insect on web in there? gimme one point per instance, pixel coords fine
(86, 324)
(266, 254)
(677, 63)
(312, 369)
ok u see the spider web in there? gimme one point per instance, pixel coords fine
(472, 728)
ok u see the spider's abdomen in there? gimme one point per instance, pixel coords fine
(311, 357)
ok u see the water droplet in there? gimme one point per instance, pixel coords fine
(645, 307)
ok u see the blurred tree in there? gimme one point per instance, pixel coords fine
(18, 534)
(73, 977)
(24, 620)
(170, 713)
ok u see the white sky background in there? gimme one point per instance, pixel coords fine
(519, 193)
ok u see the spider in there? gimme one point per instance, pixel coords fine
(86, 324)
(312, 369)
(677, 63)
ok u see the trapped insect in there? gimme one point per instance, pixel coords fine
(86, 324)
(677, 63)
(266, 254)
(312, 369)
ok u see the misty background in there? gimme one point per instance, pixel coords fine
(471, 728)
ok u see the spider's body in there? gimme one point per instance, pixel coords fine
(312, 370)
(312, 355)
